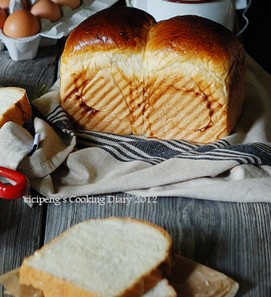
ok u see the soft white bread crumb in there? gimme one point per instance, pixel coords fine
(14, 106)
(102, 257)
(162, 289)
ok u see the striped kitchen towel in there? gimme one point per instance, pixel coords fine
(72, 162)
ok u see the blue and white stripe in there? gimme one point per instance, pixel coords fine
(153, 151)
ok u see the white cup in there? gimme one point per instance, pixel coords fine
(220, 11)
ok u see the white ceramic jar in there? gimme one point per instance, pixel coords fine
(221, 11)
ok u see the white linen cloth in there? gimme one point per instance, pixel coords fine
(81, 163)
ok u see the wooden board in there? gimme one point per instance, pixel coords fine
(230, 237)
(36, 75)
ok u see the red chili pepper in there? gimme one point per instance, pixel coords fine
(17, 188)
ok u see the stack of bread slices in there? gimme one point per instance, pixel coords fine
(112, 257)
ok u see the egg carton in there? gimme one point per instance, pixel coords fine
(2, 46)
(26, 48)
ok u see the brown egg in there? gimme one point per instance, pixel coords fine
(5, 4)
(21, 23)
(46, 9)
(3, 17)
(73, 4)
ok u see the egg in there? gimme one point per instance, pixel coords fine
(3, 17)
(73, 4)
(21, 23)
(46, 9)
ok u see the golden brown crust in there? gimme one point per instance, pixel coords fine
(197, 87)
(48, 284)
(182, 78)
(55, 287)
(96, 71)
(192, 34)
(118, 28)
(20, 112)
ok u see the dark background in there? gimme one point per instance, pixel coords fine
(257, 37)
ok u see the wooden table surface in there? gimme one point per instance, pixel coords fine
(233, 238)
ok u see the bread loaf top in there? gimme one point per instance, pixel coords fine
(196, 36)
(119, 28)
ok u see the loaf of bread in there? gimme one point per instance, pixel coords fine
(113, 257)
(182, 78)
(14, 106)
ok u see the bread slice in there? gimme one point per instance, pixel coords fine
(14, 106)
(101, 258)
(162, 289)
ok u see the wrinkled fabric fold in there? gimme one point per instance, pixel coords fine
(70, 163)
